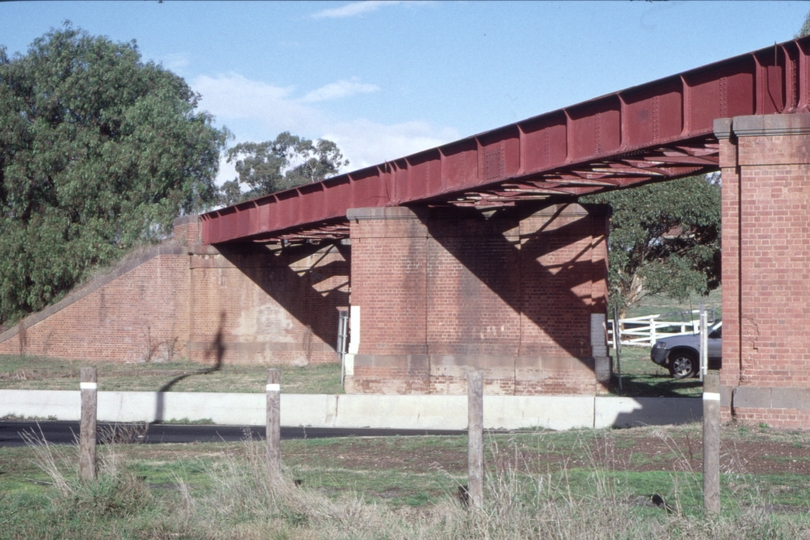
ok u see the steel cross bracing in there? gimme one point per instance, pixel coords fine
(656, 131)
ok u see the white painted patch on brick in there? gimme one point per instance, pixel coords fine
(354, 329)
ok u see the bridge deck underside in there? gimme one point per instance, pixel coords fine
(657, 131)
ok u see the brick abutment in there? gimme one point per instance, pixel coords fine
(765, 163)
(517, 293)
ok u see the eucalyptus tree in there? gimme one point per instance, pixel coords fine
(664, 239)
(284, 163)
(99, 151)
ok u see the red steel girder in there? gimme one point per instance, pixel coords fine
(645, 133)
(319, 232)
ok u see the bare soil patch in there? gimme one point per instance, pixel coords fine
(640, 450)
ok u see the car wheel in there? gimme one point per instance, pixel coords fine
(683, 365)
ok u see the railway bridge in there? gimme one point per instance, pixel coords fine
(476, 254)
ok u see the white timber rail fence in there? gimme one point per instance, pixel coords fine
(643, 331)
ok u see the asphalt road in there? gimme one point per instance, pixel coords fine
(13, 433)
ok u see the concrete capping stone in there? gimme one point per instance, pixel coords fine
(202, 249)
(770, 125)
(403, 212)
(725, 396)
(572, 209)
(770, 397)
(600, 350)
(94, 285)
(790, 398)
(603, 368)
(409, 361)
(474, 361)
(752, 396)
(722, 128)
(490, 363)
(381, 213)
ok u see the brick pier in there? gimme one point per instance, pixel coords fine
(519, 294)
(765, 162)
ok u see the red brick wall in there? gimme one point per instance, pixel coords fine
(766, 266)
(393, 279)
(252, 304)
(784, 418)
(247, 304)
(128, 316)
(730, 215)
(441, 292)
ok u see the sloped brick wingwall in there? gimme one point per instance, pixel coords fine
(128, 315)
(245, 304)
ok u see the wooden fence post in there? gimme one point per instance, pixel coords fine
(475, 438)
(711, 443)
(87, 428)
(273, 429)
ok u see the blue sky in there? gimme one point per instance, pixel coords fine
(386, 79)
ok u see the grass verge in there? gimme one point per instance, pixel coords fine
(43, 373)
(580, 484)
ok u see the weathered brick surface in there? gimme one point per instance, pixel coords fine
(130, 316)
(241, 305)
(509, 293)
(393, 271)
(766, 266)
(784, 418)
(439, 294)
(257, 305)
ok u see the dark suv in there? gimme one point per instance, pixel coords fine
(681, 354)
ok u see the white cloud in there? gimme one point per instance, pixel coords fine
(366, 143)
(235, 97)
(339, 89)
(353, 9)
(227, 171)
(259, 111)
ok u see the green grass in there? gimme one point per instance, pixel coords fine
(42, 373)
(538, 484)
(659, 304)
(641, 377)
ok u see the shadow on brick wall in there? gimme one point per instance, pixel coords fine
(217, 352)
(545, 294)
(294, 290)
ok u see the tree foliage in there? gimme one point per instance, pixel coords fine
(99, 151)
(281, 164)
(805, 29)
(664, 239)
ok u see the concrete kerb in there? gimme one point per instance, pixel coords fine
(358, 410)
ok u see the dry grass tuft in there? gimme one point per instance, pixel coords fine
(242, 499)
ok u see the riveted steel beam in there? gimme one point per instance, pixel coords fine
(655, 131)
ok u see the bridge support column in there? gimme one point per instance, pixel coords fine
(518, 294)
(765, 163)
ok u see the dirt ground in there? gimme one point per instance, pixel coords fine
(641, 449)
